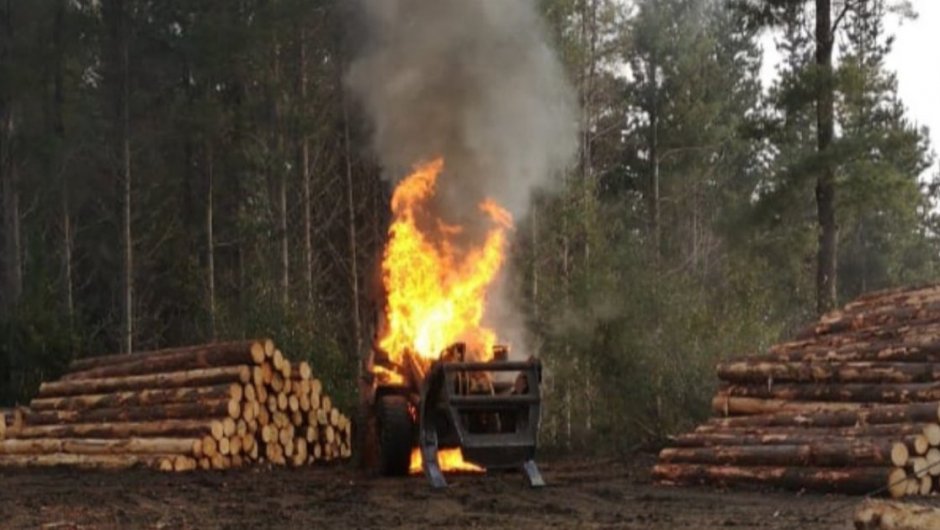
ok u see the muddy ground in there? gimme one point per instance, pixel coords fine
(581, 494)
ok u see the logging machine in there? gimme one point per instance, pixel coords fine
(489, 410)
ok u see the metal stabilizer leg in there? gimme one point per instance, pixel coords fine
(532, 473)
(432, 467)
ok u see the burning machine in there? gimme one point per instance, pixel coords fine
(442, 392)
(488, 411)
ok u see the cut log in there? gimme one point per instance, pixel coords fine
(791, 435)
(201, 358)
(873, 452)
(932, 432)
(95, 446)
(851, 322)
(868, 340)
(897, 483)
(759, 371)
(217, 408)
(303, 369)
(188, 378)
(89, 363)
(843, 480)
(933, 461)
(910, 351)
(892, 515)
(734, 406)
(83, 461)
(839, 392)
(138, 398)
(861, 415)
(162, 428)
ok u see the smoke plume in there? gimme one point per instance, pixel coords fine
(474, 81)
(477, 83)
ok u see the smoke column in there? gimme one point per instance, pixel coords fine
(474, 81)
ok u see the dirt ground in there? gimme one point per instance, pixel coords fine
(581, 494)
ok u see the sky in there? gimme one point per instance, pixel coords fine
(916, 60)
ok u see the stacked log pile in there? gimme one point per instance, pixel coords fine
(214, 406)
(850, 405)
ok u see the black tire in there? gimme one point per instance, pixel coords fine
(396, 433)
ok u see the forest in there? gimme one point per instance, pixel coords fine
(175, 172)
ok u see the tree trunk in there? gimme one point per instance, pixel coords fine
(826, 453)
(305, 175)
(825, 185)
(58, 126)
(121, 36)
(854, 414)
(853, 480)
(207, 376)
(210, 237)
(351, 227)
(655, 203)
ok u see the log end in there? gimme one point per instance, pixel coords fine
(897, 483)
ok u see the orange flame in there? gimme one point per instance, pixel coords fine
(436, 290)
(449, 460)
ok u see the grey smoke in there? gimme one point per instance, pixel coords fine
(475, 81)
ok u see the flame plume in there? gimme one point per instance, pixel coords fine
(436, 289)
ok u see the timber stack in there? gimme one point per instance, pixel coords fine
(212, 406)
(851, 405)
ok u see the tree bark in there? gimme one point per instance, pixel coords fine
(187, 378)
(715, 434)
(847, 393)
(351, 227)
(215, 408)
(209, 356)
(138, 398)
(257, 348)
(828, 453)
(759, 371)
(210, 236)
(98, 446)
(892, 318)
(925, 349)
(854, 415)
(84, 461)
(305, 173)
(888, 515)
(119, 430)
(793, 437)
(123, 45)
(827, 255)
(852, 480)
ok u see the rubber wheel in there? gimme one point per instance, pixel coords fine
(396, 434)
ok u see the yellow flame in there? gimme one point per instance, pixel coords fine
(436, 288)
(449, 460)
